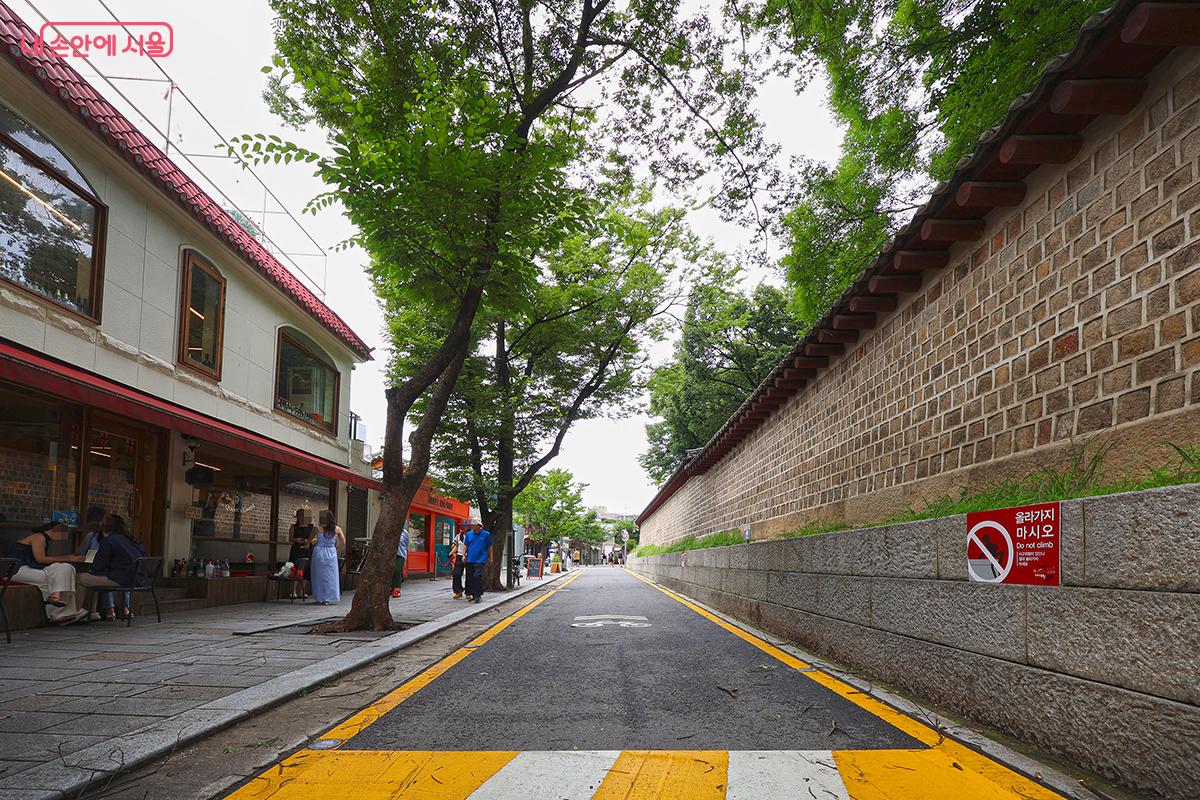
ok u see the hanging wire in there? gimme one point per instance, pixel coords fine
(319, 286)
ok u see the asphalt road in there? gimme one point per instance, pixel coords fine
(680, 682)
(610, 688)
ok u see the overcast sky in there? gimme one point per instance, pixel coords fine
(220, 49)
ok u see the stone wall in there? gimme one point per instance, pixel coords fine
(1103, 671)
(1077, 314)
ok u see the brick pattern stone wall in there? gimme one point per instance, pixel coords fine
(1102, 671)
(1079, 313)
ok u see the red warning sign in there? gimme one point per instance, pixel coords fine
(1015, 545)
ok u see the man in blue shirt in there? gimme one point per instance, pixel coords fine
(479, 555)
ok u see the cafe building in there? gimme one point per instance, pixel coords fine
(156, 360)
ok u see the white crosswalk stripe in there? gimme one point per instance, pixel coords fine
(759, 774)
(562, 775)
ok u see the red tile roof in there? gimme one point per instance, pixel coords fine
(74, 93)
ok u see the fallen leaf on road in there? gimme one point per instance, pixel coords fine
(731, 692)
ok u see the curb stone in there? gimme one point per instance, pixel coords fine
(75, 772)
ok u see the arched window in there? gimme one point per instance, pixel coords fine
(202, 316)
(306, 382)
(51, 223)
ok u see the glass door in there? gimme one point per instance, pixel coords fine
(418, 543)
(119, 473)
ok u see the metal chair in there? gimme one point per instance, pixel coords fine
(145, 575)
(300, 569)
(8, 568)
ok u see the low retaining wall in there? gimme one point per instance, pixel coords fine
(1103, 671)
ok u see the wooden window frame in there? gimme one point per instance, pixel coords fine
(99, 233)
(337, 383)
(192, 260)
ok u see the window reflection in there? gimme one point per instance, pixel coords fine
(47, 228)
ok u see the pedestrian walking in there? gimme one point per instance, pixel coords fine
(326, 583)
(401, 558)
(459, 556)
(479, 555)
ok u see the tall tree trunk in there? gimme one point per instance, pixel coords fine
(502, 516)
(369, 609)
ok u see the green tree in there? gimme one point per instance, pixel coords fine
(464, 138)
(576, 351)
(914, 83)
(729, 344)
(551, 507)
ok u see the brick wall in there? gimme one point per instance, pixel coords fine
(1077, 314)
(1102, 671)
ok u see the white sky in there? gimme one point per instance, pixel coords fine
(220, 49)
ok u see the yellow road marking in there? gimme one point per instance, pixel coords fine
(955, 756)
(371, 775)
(666, 775)
(766, 647)
(356, 723)
(930, 775)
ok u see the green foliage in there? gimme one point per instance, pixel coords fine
(914, 83)
(575, 350)
(551, 507)
(815, 528)
(722, 539)
(729, 343)
(1081, 476)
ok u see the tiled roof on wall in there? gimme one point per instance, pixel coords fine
(73, 92)
(1103, 74)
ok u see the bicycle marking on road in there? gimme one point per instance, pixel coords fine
(616, 620)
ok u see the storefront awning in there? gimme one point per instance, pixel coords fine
(62, 380)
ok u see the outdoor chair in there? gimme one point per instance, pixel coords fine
(145, 574)
(298, 576)
(8, 568)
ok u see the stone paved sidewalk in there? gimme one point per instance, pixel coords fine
(87, 699)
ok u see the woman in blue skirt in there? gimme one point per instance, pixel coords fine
(323, 569)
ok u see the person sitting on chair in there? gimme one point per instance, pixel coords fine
(54, 575)
(113, 565)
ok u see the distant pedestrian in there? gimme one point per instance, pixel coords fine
(479, 555)
(401, 558)
(458, 554)
(326, 582)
